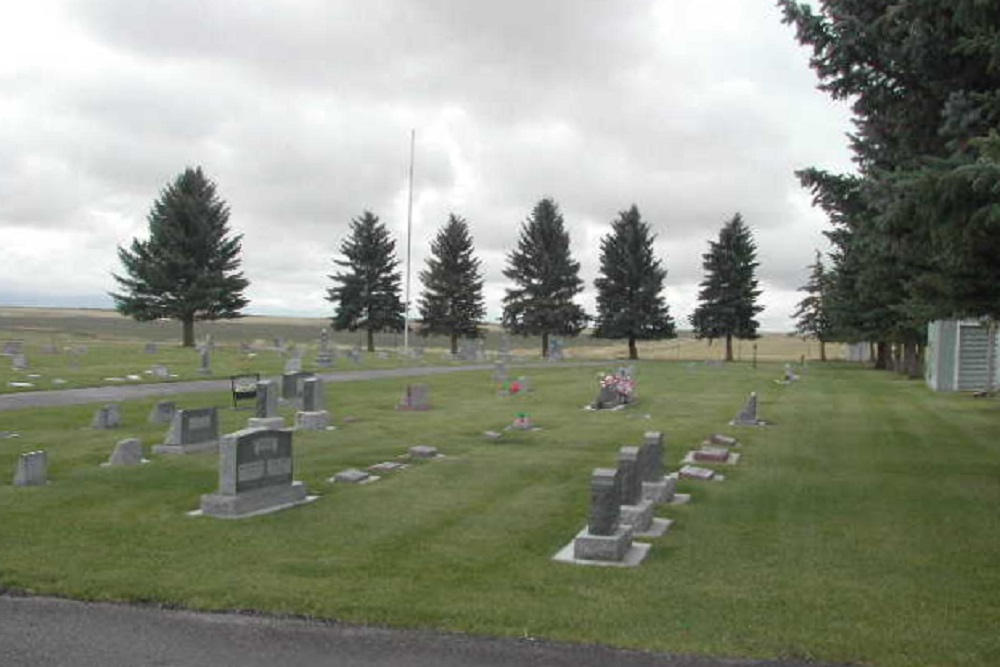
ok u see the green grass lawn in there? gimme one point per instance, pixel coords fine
(862, 526)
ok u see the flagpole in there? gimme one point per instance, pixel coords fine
(409, 234)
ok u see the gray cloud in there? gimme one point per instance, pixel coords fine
(301, 111)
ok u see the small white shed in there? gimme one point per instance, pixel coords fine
(961, 355)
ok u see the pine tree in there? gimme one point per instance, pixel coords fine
(629, 300)
(547, 279)
(812, 318)
(452, 301)
(728, 298)
(367, 296)
(188, 269)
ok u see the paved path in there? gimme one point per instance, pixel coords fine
(48, 632)
(126, 392)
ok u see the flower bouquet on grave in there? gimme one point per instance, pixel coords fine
(522, 422)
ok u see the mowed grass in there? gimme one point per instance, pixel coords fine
(862, 526)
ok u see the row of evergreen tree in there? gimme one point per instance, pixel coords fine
(916, 231)
(188, 269)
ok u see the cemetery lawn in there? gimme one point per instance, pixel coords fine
(863, 526)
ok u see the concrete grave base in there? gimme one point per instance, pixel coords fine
(680, 499)
(193, 448)
(660, 492)
(630, 556)
(657, 528)
(602, 547)
(758, 422)
(255, 503)
(640, 516)
(312, 421)
(268, 423)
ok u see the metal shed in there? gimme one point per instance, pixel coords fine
(961, 355)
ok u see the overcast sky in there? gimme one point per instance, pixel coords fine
(301, 111)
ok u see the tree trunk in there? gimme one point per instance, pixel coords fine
(822, 350)
(882, 355)
(633, 352)
(911, 361)
(371, 340)
(454, 344)
(729, 347)
(188, 336)
(897, 358)
(545, 345)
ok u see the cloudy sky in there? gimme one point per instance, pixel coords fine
(301, 112)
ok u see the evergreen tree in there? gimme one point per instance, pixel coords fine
(547, 279)
(367, 296)
(188, 269)
(728, 298)
(452, 301)
(923, 79)
(812, 319)
(629, 300)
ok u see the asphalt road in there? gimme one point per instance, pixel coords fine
(47, 632)
(127, 392)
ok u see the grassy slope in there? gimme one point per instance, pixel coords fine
(862, 526)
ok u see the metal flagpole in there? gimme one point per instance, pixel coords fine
(409, 234)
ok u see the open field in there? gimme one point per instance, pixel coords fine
(862, 526)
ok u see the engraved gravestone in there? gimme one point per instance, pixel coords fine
(635, 511)
(205, 367)
(324, 358)
(255, 475)
(605, 499)
(293, 365)
(191, 431)
(32, 469)
(266, 407)
(291, 384)
(19, 361)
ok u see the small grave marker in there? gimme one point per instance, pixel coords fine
(417, 397)
(108, 416)
(162, 412)
(32, 469)
(191, 431)
(127, 452)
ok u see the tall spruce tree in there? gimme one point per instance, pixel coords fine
(630, 303)
(452, 301)
(728, 298)
(188, 268)
(547, 279)
(811, 317)
(367, 296)
(923, 81)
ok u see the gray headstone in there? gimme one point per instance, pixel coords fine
(605, 501)
(291, 384)
(150, 348)
(127, 452)
(267, 399)
(423, 452)
(293, 365)
(192, 427)
(313, 395)
(351, 476)
(12, 347)
(162, 412)
(417, 397)
(108, 416)
(255, 475)
(748, 415)
(159, 372)
(631, 482)
(206, 361)
(19, 362)
(32, 469)
(653, 442)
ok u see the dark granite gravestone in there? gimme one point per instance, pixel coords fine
(32, 469)
(255, 475)
(191, 431)
(605, 499)
(656, 485)
(291, 384)
(635, 511)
